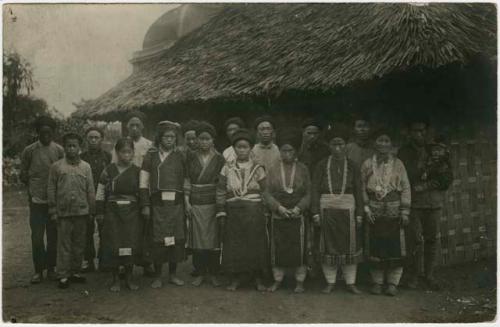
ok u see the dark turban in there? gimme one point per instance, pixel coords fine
(365, 116)
(191, 125)
(337, 132)
(204, 126)
(242, 134)
(234, 120)
(383, 131)
(292, 137)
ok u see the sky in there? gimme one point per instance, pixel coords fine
(78, 51)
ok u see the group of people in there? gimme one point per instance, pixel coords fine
(274, 201)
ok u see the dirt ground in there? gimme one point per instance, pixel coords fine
(469, 295)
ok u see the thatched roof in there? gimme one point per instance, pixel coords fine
(257, 50)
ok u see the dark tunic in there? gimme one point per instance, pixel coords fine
(245, 237)
(120, 240)
(316, 152)
(287, 235)
(341, 238)
(201, 188)
(166, 232)
(98, 160)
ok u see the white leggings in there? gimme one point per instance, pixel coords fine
(392, 275)
(349, 272)
(300, 273)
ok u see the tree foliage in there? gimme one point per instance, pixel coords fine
(20, 108)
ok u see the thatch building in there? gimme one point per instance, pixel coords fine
(298, 60)
(393, 56)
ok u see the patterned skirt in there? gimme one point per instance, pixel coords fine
(386, 243)
(340, 240)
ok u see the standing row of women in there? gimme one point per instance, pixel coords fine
(241, 218)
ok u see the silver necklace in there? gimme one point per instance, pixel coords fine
(288, 189)
(382, 177)
(329, 176)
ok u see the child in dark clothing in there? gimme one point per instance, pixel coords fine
(437, 172)
(118, 210)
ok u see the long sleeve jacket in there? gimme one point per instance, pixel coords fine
(70, 189)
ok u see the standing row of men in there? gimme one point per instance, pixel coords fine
(39, 156)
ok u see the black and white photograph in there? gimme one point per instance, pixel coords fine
(249, 163)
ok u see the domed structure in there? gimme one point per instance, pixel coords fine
(171, 26)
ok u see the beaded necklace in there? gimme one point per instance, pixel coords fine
(329, 176)
(382, 177)
(288, 189)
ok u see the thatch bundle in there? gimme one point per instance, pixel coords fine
(258, 50)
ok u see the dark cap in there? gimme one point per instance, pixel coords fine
(168, 125)
(313, 122)
(261, 119)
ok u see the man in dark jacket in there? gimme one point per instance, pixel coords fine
(313, 149)
(98, 159)
(360, 147)
(430, 176)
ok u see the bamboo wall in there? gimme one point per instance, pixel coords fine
(469, 220)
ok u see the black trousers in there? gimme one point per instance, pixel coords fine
(206, 261)
(44, 256)
(424, 241)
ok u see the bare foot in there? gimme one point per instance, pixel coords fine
(260, 286)
(175, 280)
(157, 283)
(353, 289)
(215, 281)
(274, 287)
(115, 287)
(328, 289)
(132, 286)
(197, 281)
(233, 286)
(299, 288)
